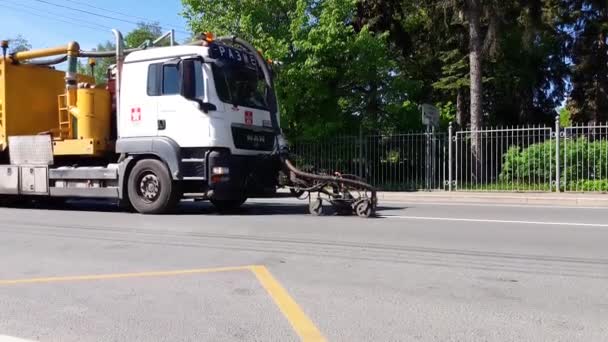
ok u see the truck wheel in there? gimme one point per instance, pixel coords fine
(228, 205)
(151, 189)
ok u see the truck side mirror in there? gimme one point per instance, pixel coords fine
(207, 107)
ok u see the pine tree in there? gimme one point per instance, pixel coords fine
(589, 97)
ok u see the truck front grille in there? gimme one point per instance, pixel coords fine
(250, 139)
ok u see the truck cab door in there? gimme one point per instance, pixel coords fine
(181, 108)
(139, 99)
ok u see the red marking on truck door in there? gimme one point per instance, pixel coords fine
(135, 114)
(248, 118)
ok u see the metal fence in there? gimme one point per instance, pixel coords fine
(402, 162)
(498, 160)
(530, 158)
(584, 165)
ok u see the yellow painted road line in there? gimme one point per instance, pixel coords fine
(123, 275)
(303, 326)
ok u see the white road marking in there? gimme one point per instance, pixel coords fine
(465, 204)
(454, 203)
(454, 219)
(4, 338)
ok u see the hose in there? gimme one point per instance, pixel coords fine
(47, 62)
(94, 54)
(104, 54)
(311, 176)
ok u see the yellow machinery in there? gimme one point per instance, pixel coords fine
(35, 99)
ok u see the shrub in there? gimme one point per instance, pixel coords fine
(588, 185)
(581, 160)
(532, 164)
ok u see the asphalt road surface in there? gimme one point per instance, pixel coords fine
(426, 272)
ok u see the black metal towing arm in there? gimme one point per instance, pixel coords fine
(346, 193)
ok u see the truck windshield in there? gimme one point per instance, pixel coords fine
(240, 86)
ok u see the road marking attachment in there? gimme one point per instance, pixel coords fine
(454, 219)
(290, 309)
(301, 324)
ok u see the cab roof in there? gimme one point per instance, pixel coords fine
(166, 52)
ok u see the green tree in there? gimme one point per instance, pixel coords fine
(144, 33)
(102, 64)
(527, 70)
(523, 54)
(335, 76)
(18, 44)
(565, 117)
(588, 21)
(371, 62)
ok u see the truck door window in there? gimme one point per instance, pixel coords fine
(154, 76)
(200, 81)
(171, 80)
(166, 79)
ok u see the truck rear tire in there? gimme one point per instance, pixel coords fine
(151, 189)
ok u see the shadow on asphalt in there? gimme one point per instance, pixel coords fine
(187, 208)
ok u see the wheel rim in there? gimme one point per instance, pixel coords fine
(364, 209)
(149, 187)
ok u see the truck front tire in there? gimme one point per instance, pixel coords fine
(151, 189)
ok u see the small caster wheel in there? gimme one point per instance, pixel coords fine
(364, 208)
(316, 207)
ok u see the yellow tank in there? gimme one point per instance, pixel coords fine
(90, 121)
(28, 99)
(92, 115)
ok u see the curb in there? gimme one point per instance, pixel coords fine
(545, 199)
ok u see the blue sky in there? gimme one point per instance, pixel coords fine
(45, 23)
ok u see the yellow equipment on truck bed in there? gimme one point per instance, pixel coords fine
(34, 100)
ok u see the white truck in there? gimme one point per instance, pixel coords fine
(197, 120)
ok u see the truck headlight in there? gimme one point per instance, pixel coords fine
(220, 170)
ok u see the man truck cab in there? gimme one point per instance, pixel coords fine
(210, 102)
